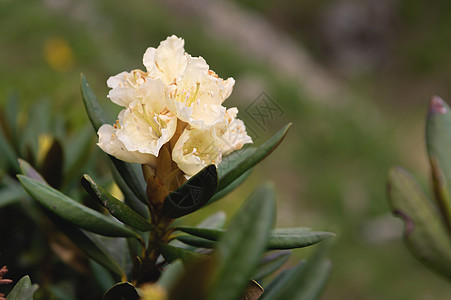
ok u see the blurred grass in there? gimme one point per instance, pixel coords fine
(331, 169)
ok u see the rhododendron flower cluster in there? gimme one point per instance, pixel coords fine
(174, 109)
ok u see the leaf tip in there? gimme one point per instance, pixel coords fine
(20, 177)
(438, 106)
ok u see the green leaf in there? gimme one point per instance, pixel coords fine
(212, 234)
(315, 281)
(196, 241)
(38, 123)
(305, 282)
(92, 107)
(133, 177)
(131, 173)
(77, 153)
(171, 274)
(237, 163)
(121, 290)
(118, 209)
(225, 191)
(424, 233)
(280, 238)
(171, 253)
(72, 211)
(8, 153)
(214, 221)
(87, 245)
(289, 238)
(23, 290)
(438, 138)
(241, 247)
(271, 263)
(27, 170)
(278, 284)
(103, 278)
(192, 195)
(129, 197)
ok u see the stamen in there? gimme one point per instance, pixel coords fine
(191, 100)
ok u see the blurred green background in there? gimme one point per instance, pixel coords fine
(355, 78)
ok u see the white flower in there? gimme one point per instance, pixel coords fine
(195, 93)
(232, 132)
(173, 118)
(196, 149)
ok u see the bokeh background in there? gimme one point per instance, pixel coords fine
(354, 77)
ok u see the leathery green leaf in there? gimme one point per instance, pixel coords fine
(240, 248)
(27, 170)
(213, 234)
(102, 276)
(171, 274)
(23, 290)
(131, 173)
(86, 244)
(289, 238)
(92, 107)
(130, 197)
(72, 211)
(196, 241)
(438, 138)
(118, 209)
(216, 220)
(133, 177)
(278, 283)
(424, 233)
(305, 282)
(193, 194)
(225, 191)
(8, 152)
(171, 253)
(280, 238)
(271, 263)
(77, 153)
(237, 163)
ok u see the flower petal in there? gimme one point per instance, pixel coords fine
(196, 149)
(232, 132)
(109, 143)
(128, 87)
(168, 61)
(146, 132)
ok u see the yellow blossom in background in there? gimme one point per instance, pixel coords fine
(58, 54)
(45, 142)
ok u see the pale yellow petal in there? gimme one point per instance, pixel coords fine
(110, 144)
